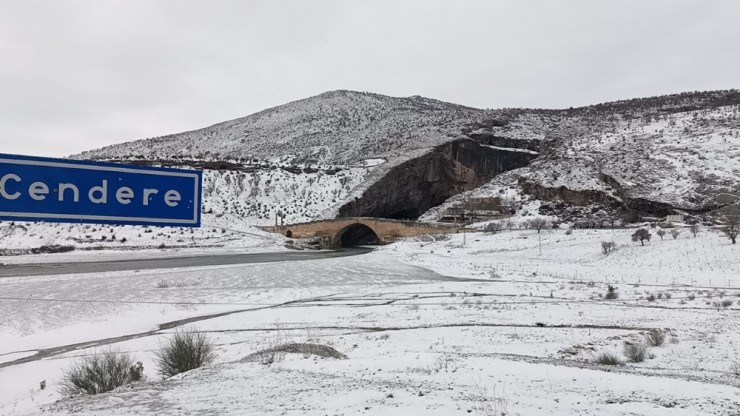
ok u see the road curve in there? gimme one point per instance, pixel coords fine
(45, 269)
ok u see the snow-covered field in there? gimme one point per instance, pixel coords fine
(476, 324)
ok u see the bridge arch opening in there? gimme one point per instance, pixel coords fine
(357, 235)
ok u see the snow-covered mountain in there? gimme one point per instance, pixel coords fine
(360, 154)
(653, 155)
(338, 127)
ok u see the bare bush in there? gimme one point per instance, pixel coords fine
(611, 293)
(185, 351)
(608, 246)
(661, 233)
(655, 337)
(636, 352)
(493, 227)
(608, 358)
(735, 369)
(491, 403)
(99, 373)
(675, 232)
(444, 362)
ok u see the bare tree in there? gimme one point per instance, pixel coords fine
(675, 232)
(732, 228)
(509, 224)
(641, 235)
(661, 233)
(694, 228)
(537, 224)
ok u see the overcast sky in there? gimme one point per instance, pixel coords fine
(77, 75)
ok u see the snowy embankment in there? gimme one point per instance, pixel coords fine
(91, 242)
(509, 324)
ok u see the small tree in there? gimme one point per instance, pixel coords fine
(732, 228)
(509, 224)
(538, 224)
(492, 227)
(694, 228)
(675, 233)
(608, 246)
(641, 235)
(661, 233)
(611, 293)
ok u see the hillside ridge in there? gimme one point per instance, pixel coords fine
(402, 156)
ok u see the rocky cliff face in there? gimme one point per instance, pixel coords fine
(413, 187)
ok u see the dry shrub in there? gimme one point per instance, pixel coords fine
(637, 352)
(185, 351)
(99, 373)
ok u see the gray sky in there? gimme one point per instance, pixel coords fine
(77, 75)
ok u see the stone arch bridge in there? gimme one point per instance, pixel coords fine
(360, 230)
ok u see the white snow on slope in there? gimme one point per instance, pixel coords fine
(517, 327)
(337, 127)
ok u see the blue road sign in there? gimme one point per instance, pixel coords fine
(61, 190)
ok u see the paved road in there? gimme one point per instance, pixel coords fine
(44, 269)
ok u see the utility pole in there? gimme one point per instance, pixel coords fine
(539, 237)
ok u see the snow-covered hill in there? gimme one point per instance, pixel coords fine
(655, 163)
(652, 155)
(338, 127)
(353, 153)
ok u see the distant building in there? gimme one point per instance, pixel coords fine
(674, 218)
(477, 209)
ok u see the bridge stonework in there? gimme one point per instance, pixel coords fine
(388, 231)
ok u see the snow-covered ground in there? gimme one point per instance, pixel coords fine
(467, 324)
(256, 197)
(219, 231)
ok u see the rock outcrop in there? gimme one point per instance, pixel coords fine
(413, 187)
